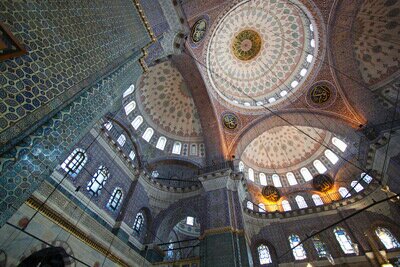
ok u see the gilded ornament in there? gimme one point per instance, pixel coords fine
(199, 30)
(246, 45)
(322, 182)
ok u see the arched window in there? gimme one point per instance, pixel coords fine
(320, 247)
(138, 223)
(366, 177)
(162, 141)
(344, 240)
(291, 178)
(286, 206)
(250, 205)
(176, 149)
(263, 178)
(261, 207)
(108, 125)
(241, 166)
(301, 202)
(276, 180)
(98, 180)
(251, 174)
(339, 144)
(132, 155)
(319, 166)
(357, 186)
(190, 220)
(306, 174)
(193, 149)
(387, 238)
(130, 107)
(155, 174)
(317, 200)
(263, 254)
(115, 199)
(121, 140)
(331, 156)
(298, 250)
(137, 122)
(75, 162)
(344, 192)
(170, 252)
(129, 91)
(148, 134)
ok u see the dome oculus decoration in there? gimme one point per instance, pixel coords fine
(260, 50)
(199, 30)
(271, 193)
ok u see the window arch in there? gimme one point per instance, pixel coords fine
(148, 134)
(333, 158)
(319, 166)
(276, 180)
(249, 205)
(357, 186)
(98, 180)
(137, 122)
(162, 141)
(387, 238)
(344, 240)
(176, 149)
(263, 178)
(108, 125)
(301, 202)
(129, 91)
(344, 192)
(121, 140)
(138, 223)
(339, 144)
(317, 200)
(291, 178)
(306, 174)
(115, 199)
(286, 205)
(320, 247)
(298, 250)
(251, 174)
(261, 207)
(241, 166)
(75, 162)
(367, 178)
(263, 254)
(130, 107)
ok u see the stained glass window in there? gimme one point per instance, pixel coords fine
(108, 125)
(387, 238)
(139, 220)
(98, 180)
(263, 179)
(357, 186)
(261, 207)
(129, 91)
(298, 250)
(286, 206)
(162, 141)
(241, 166)
(344, 192)
(306, 174)
(291, 178)
(130, 107)
(137, 122)
(75, 162)
(344, 240)
(176, 149)
(250, 205)
(317, 200)
(320, 247)
(276, 180)
(263, 254)
(331, 156)
(367, 178)
(115, 199)
(148, 134)
(251, 174)
(319, 166)
(121, 140)
(301, 202)
(339, 144)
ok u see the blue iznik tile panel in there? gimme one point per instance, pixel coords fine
(69, 43)
(24, 167)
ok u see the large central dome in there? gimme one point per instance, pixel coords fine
(260, 52)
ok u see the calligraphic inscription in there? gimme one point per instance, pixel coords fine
(322, 182)
(320, 94)
(230, 121)
(271, 193)
(199, 30)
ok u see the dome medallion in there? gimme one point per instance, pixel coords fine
(271, 193)
(246, 45)
(260, 52)
(322, 182)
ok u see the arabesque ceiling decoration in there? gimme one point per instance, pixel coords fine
(285, 148)
(260, 52)
(165, 101)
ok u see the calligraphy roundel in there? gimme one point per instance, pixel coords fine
(230, 121)
(321, 95)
